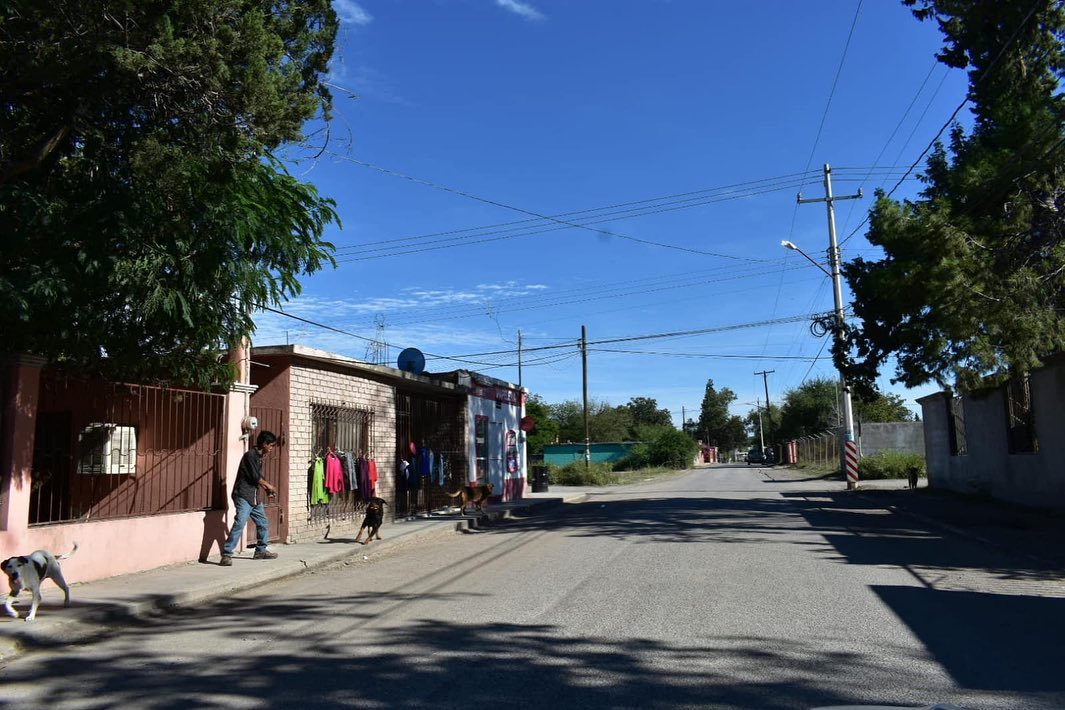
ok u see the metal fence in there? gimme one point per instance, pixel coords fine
(105, 450)
(437, 424)
(820, 450)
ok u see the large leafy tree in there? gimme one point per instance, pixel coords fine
(143, 213)
(972, 284)
(545, 430)
(814, 406)
(721, 429)
(645, 410)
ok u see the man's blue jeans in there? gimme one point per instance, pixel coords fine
(262, 526)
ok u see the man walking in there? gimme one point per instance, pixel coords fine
(248, 504)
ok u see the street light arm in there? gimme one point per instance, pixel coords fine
(790, 245)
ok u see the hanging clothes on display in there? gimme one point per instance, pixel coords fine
(424, 459)
(334, 475)
(364, 480)
(441, 470)
(372, 476)
(351, 471)
(318, 494)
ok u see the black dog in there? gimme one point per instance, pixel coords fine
(912, 474)
(373, 520)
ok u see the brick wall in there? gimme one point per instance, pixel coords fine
(314, 385)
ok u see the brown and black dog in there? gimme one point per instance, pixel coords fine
(375, 517)
(477, 494)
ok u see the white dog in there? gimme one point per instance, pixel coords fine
(29, 572)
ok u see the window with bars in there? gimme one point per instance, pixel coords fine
(341, 429)
(1020, 420)
(956, 424)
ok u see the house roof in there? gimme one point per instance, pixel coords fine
(400, 378)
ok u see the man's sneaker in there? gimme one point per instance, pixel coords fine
(265, 555)
(226, 561)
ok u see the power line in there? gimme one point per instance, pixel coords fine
(710, 356)
(727, 192)
(835, 81)
(968, 96)
(496, 203)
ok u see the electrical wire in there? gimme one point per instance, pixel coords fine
(531, 213)
(835, 81)
(968, 96)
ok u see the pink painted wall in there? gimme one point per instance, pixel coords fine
(107, 547)
(114, 547)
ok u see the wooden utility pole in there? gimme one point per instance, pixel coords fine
(768, 412)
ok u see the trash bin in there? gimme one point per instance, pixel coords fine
(539, 479)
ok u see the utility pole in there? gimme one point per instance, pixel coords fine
(761, 436)
(584, 372)
(850, 456)
(683, 421)
(519, 359)
(768, 412)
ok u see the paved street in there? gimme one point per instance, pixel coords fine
(717, 588)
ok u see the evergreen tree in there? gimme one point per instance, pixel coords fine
(972, 284)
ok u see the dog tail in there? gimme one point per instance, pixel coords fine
(69, 554)
(456, 494)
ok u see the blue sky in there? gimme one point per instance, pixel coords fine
(678, 132)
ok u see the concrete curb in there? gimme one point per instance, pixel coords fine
(99, 618)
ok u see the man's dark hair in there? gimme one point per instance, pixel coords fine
(265, 437)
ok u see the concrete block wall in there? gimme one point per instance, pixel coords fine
(313, 385)
(891, 436)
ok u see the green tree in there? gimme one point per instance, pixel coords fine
(546, 428)
(143, 213)
(881, 408)
(810, 408)
(814, 407)
(716, 424)
(672, 448)
(569, 415)
(645, 410)
(757, 429)
(607, 423)
(972, 284)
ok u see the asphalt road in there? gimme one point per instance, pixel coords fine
(717, 588)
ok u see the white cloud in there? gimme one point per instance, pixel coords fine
(351, 13)
(522, 9)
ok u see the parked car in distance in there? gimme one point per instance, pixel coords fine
(755, 456)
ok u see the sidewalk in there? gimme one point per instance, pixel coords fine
(98, 605)
(1036, 534)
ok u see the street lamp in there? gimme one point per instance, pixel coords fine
(791, 245)
(837, 294)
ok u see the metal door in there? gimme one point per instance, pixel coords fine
(275, 471)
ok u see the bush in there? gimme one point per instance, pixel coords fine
(576, 474)
(889, 464)
(638, 457)
(673, 449)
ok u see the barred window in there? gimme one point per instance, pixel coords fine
(1020, 420)
(956, 424)
(342, 429)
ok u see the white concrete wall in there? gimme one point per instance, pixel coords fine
(509, 417)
